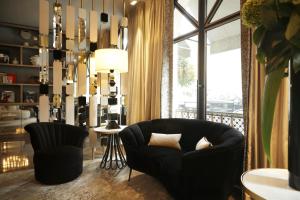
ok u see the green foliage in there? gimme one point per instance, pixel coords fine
(251, 13)
(186, 74)
(269, 100)
(277, 37)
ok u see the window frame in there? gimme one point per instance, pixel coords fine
(203, 25)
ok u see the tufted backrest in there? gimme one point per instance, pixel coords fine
(192, 131)
(46, 135)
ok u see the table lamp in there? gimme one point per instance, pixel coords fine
(109, 60)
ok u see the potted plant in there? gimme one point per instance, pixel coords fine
(276, 25)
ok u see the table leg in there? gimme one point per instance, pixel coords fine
(106, 154)
(113, 153)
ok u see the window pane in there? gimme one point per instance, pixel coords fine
(185, 70)
(181, 24)
(226, 8)
(209, 5)
(191, 6)
(224, 81)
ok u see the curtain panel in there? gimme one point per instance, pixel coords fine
(147, 31)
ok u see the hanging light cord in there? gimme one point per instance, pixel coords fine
(69, 2)
(81, 3)
(92, 4)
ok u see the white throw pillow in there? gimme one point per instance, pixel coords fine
(165, 140)
(203, 144)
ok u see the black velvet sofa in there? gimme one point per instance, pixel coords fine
(58, 156)
(187, 174)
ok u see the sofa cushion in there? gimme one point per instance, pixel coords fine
(165, 140)
(203, 144)
(159, 160)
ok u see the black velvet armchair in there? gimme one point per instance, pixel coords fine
(187, 173)
(58, 156)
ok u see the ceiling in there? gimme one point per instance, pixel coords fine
(26, 12)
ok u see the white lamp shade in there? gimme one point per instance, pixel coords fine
(111, 59)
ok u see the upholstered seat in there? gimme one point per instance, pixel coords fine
(58, 156)
(187, 173)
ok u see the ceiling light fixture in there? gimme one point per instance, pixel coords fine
(133, 2)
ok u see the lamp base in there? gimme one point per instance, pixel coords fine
(112, 124)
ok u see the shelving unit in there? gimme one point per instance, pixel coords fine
(22, 70)
(12, 44)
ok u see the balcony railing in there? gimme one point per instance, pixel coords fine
(235, 120)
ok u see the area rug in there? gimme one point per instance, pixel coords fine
(93, 184)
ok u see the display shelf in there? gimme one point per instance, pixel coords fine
(18, 103)
(23, 65)
(24, 46)
(24, 84)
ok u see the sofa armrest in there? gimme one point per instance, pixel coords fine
(75, 135)
(132, 137)
(214, 170)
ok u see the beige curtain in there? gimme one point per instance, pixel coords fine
(145, 49)
(255, 155)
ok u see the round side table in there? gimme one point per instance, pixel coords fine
(269, 183)
(113, 157)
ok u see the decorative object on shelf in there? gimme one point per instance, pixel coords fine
(30, 96)
(35, 59)
(57, 63)
(4, 58)
(93, 28)
(26, 36)
(9, 78)
(81, 112)
(43, 61)
(109, 61)
(2, 75)
(57, 25)
(103, 15)
(277, 36)
(7, 96)
(15, 61)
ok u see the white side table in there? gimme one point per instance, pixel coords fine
(113, 152)
(269, 183)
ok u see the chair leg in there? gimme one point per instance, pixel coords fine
(130, 170)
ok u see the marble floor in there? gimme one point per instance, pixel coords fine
(17, 178)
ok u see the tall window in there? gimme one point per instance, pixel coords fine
(207, 61)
